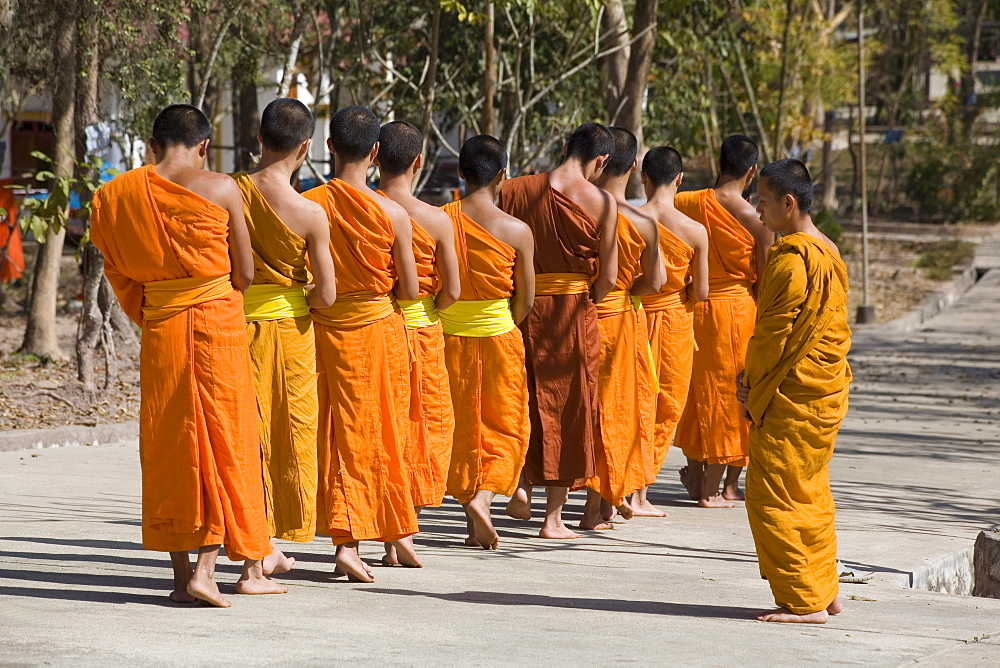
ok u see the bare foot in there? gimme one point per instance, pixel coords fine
(405, 554)
(646, 509)
(337, 572)
(593, 521)
(733, 493)
(835, 608)
(714, 502)
(277, 562)
(625, 510)
(692, 485)
(181, 596)
(478, 511)
(259, 585)
(785, 616)
(390, 558)
(472, 542)
(519, 506)
(204, 588)
(607, 511)
(350, 564)
(557, 532)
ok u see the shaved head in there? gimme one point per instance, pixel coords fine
(181, 125)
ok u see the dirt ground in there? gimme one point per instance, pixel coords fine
(41, 393)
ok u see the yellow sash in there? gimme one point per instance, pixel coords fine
(615, 303)
(478, 318)
(356, 310)
(561, 284)
(274, 302)
(419, 313)
(665, 301)
(727, 289)
(162, 299)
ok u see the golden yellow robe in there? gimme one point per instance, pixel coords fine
(488, 381)
(670, 320)
(364, 378)
(167, 257)
(711, 428)
(625, 388)
(283, 353)
(798, 375)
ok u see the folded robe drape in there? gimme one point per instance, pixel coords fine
(670, 321)
(798, 375)
(201, 470)
(364, 378)
(283, 353)
(561, 335)
(711, 428)
(488, 383)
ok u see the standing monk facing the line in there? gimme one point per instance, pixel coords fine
(177, 254)
(627, 395)
(483, 347)
(285, 229)
(361, 351)
(670, 312)
(576, 264)
(794, 391)
(711, 432)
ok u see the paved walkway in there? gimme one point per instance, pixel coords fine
(915, 476)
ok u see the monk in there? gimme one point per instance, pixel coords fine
(794, 393)
(362, 356)
(177, 254)
(711, 433)
(288, 235)
(626, 385)
(428, 451)
(670, 311)
(576, 265)
(483, 347)
(11, 251)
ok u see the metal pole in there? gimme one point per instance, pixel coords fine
(866, 312)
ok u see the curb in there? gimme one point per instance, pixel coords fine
(70, 435)
(935, 303)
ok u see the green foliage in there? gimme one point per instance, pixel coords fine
(938, 261)
(954, 181)
(828, 225)
(38, 216)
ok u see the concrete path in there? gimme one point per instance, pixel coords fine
(915, 476)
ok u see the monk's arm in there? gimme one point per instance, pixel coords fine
(446, 263)
(780, 301)
(607, 251)
(324, 291)
(407, 286)
(524, 273)
(650, 262)
(698, 288)
(763, 240)
(240, 250)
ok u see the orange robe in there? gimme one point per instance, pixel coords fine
(432, 420)
(364, 378)
(561, 337)
(798, 375)
(711, 428)
(625, 385)
(670, 319)
(488, 384)
(11, 251)
(283, 353)
(167, 258)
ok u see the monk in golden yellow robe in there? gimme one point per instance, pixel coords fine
(626, 383)
(288, 233)
(670, 311)
(432, 424)
(178, 256)
(483, 347)
(713, 436)
(794, 390)
(362, 356)
(576, 264)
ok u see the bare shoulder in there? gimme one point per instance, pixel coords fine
(512, 231)
(690, 231)
(435, 222)
(391, 208)
(643, 222)
(218, 188)
(310, 214)
(746, 213)
(595, 201)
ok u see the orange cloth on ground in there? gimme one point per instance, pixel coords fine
(201, 471)
(364, 384)
(670, 320)
(798, 375)
(711, 428)
(283, 353)
(11, 251)
(488, 383)
(625, 387)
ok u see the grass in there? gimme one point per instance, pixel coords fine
(938, 260)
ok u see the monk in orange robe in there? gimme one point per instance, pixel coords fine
(177, 254)
(289, 234)
(362, 356)
(428, 451)
(670, 311)
(794, 391)
(483, 347)
(576, 265)
(711, 433)
(626, 384)
(11, 251)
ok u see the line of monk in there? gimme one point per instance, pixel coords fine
(333, 361)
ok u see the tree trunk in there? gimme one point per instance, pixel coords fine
(301, 15)
(614, 33)
(489, 72)
(639, 61)
(40, 333)
(829, 175)
(246, 116)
